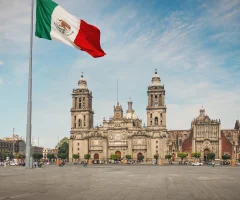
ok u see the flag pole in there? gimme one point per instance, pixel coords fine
(29, 106)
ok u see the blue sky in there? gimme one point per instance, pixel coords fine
(194, 45)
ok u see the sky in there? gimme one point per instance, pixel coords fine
(194, 45)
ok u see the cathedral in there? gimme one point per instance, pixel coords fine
(124, 134)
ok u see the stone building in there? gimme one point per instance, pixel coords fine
(125, 135)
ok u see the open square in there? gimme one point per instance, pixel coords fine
(120, 182)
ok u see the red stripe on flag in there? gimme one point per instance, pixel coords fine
(88, 39)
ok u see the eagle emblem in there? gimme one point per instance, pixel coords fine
(63, 27)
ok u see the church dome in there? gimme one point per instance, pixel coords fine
(156, 81)
(82, 83)
(131, 116)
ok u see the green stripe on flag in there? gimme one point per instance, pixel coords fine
(44, 12)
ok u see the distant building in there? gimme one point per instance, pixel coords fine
(36, 149)
(45, 152)
(8, 142)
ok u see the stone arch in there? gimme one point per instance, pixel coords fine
(96, 156)
(138, 155)
(205, 154)
(173, 156)
(118, 153)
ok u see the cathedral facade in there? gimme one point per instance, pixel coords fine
(124, 134)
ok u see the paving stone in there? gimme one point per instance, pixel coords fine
(120, 182)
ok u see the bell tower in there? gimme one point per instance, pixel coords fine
(81, 112)
(156, 108)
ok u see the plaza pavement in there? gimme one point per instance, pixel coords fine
(115, 182)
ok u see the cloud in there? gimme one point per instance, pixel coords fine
(1, 81)
(196, 54)
(1, 62)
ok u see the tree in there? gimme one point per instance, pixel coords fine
(50, 156)
(62, 155)
(87, 156)
(37, 156)
(63, 150)
(196, 154)
(168, 156)
(182, 155)
(5, 154)
(140, 158)
(128, 157)
(156, 156)
(65, 139)
(226, 156)
(211, 156)
(114, 157)
(75, 156)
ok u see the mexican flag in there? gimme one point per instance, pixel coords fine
(55, 23)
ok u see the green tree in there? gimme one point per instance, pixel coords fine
(65, 139)
(114, 157)
(87, 156)
(75, 156)
(63, 150)
(128, 157)
(22, 156)
(182, 155)
(50, 156)
(156, 156)
(196, 154)
(37, 156)
(226, 156)
(168, 156)
(211, 156)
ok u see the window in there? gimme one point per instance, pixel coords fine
(80, 103)
(161, 115)
(156, 147)
(84, 124)
(156, 121)
(75, 102)
(156, 142)
(75, 125)
(156, 102)
(78, 144)
(84, 117)
(161, 122)
(78, 149)
(75, 118)
(151, 115)
(83, 103)
(151, 100)
(150, 122)
(157, 151)
(78, 153)
(155, 96)
(79, 123)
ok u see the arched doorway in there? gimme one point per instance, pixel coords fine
(206, 152)
(139, 156)
(118, 153)
(96, 156)
(173, 156)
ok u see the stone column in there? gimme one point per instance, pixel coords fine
(70, 151)
(193, 139)
(219, 142)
